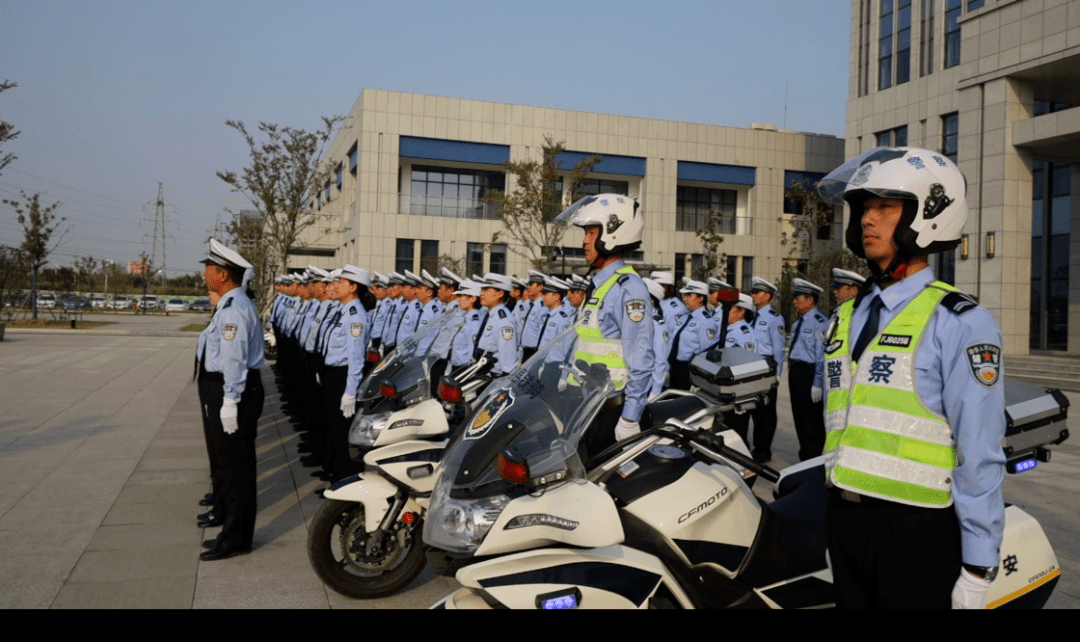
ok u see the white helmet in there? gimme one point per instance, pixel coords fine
(931, 186)
(621, 223)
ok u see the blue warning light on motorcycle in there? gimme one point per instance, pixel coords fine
(565, 599)
(1025, 464)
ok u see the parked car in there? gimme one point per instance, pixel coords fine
(121, 302)
(148, 302)
(176, 305)
(201, 305)
(76, 303)
(97, 302)
(46, 301)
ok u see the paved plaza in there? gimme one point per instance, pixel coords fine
(102, 461)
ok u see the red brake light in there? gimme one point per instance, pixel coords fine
(513, 472)
(449, 393)
(408, 518)
(372, 356)
(728, 296)
(388, 390)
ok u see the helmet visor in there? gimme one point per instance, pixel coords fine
(854, 173)
(578, 214)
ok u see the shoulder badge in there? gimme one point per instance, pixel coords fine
(623, 279)
(229, 332)
(958, 302)
(508, 332)
(985, 362)
(710, 333)
(356, 329)
(635, 309)
(228, 302)
(352, 309)
(502, 314)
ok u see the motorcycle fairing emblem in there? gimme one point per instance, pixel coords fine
(487, 416)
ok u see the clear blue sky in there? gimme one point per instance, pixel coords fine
(117, 95)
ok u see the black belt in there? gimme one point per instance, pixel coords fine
(219, 377)
(800, 364)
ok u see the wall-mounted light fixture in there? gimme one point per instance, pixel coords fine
(990, 245)
(965, 247)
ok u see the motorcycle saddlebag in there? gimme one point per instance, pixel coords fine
(732, 375)
(1034, 419)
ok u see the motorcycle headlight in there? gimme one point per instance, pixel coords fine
(458, 526)
(366, 429)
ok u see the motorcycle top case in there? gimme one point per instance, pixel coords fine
(732, 374)
(1034, 417)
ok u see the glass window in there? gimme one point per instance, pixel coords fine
(747, 274)
(498, 258)
(903, 42)
(474, 260)
(694, 204)
(885, 45)
(952, 33)
(950, 126)
(926, 38)
(602, 186)
(429, 256)
(403, 258)
(445, 191)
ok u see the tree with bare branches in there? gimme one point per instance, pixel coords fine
(285, 176)
(543, 190)
(42, 234)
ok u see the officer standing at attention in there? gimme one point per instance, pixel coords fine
(769, 342)
(913, 449)
(661, 338)
(695, 336)
(560, 314)
(576, 294)
(537, 317)
(232, 394)
(500, 338)
(740, 333)
(616, 329)
(463, 345)
(805, 378)
(845, 284)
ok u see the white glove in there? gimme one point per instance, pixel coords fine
(970, 591)
(815, 394)
(626, 429)
(348, 405)
(228, 416)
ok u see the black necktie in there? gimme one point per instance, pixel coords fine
(869, 330)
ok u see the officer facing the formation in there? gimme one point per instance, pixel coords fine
(500, 337)
(231, 392)
(615, 328)
(671, 306)
(805, 378)
(845, 284)
(769, 342)
(913, 450)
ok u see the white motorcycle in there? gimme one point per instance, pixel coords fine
(665, 519)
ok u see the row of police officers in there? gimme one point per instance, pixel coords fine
(900, 390)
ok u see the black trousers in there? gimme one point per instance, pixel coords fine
(890, 555)
(339, 464)
(235, 455)
(809, 416)
(764, 417)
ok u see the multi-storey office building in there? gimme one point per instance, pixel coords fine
(995, 85)
(410, 171)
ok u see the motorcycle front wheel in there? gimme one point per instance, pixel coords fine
(338, 551)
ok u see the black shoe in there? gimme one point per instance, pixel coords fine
(310, 461)
(202, 517)
(207, 500)
(762, 458)
(211, 522)
(319, 492)
(209, 543)
(321, 474)
(304, 449)
(222, 551)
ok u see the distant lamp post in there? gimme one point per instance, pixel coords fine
(991, 245)
(965, 247)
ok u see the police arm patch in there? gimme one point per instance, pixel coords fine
(230, 331)
(984, 359)
(635, 310)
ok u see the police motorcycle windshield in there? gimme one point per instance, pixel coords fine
(532, 421)
(409, 364)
